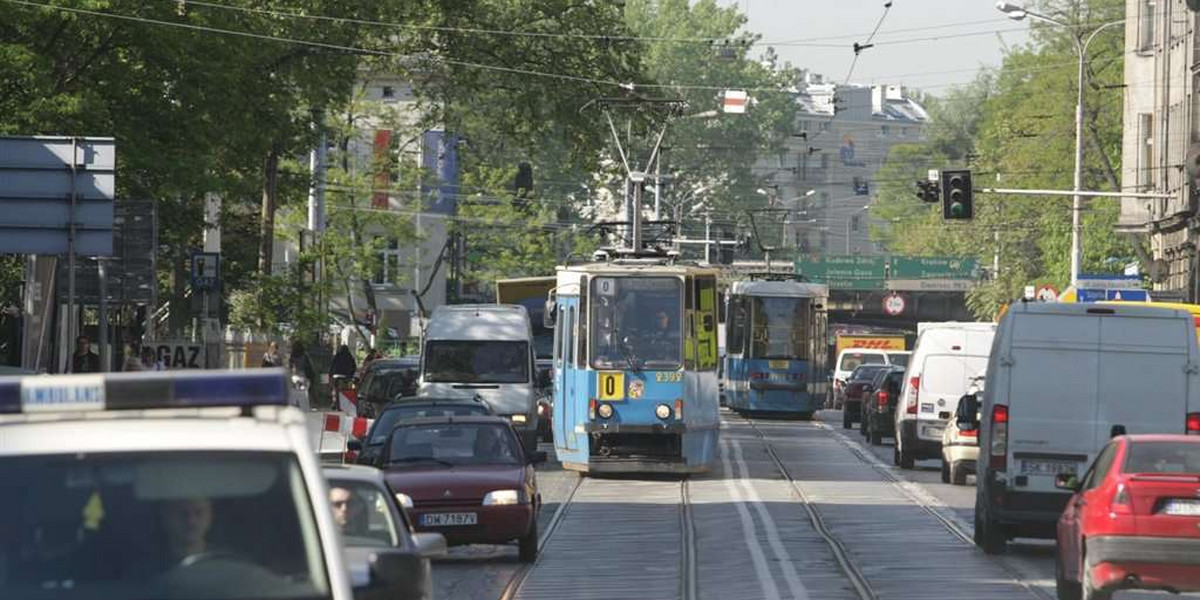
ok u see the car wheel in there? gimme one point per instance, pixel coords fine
(988, 536)
(907, 461)
(846, 422)
(862, 425)
(896, 453)
(528, 545)
(876, 438)
(958, 473)
(1065, 590)
(945, 471)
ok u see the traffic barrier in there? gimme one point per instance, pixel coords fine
(345, 427)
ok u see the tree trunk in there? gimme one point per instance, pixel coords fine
(270, 197)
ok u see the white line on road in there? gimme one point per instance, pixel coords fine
(770, 591)
(799, 592)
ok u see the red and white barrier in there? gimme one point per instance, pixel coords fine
(333, 432)
(355, 427)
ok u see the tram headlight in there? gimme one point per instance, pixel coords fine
(663, 411)
(605, 411)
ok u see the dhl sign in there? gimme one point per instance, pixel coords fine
(870, 342)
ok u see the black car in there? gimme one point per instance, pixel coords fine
(879, 408)
(403, 409)
(387, 379)
(852, 397)
(545, 401)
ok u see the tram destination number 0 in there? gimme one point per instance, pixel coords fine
(612, 385)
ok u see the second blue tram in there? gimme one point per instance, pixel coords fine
(635, 366)
(775, 347)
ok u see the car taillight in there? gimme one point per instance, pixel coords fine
(968, 432)
(914, 392)
(1193, 424)
(679, 409)
(592, 404)
(1120, 504)
(999, 448)
(882, 399)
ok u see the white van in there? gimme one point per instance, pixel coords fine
(939, 371)
(483, 350)
(1063, 380)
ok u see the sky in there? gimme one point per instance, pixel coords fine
(931, 65)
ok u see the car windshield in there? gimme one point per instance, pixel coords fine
(146, 526)
(865, 373)
(362, 513)
(900, 359)
(1163, 457)
(851, 361)
(394, 415)
(477, 361)
(636, 321)
(454, 444)
(779, 328)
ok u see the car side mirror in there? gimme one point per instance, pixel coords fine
(354, 445)
(1067, 481)
(537, 458)
(550, 315)
(389, 574)
(430, 545)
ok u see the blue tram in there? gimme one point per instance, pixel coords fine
(635, 366)
(775, 347)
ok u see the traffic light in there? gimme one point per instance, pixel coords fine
(927, 191)
(957, 200)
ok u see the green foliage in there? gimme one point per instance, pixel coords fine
(12, 274)
(1015, 128)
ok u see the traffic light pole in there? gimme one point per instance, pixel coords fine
(1081, 194)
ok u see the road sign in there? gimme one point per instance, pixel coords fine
(909, 273)
(1110, 282)
(933, 267)
(178, 355)
(206, 270)
(130, 269)
(735, 101)
(893, 305)
(1047, 293)
(49, 183)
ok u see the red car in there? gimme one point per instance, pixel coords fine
(466, 478)
(1134, 521)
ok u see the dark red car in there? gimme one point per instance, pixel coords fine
(1134, 521)
(466, 478)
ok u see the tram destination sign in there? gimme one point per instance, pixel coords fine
(879, 272)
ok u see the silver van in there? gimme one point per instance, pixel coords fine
(1063, 379)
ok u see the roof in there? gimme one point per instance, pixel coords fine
(465, 420)
(787, 289)
(418, 400)
(1162, 437)
(352, 472)
(1130, 309)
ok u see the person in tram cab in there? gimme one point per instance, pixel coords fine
(662, 341)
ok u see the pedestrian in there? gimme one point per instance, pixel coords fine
(300, 365)
(271, 357)
(149, 363)
(343, 364)
(372, 354)
(84, 360)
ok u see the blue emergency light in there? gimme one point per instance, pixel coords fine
(144, 390)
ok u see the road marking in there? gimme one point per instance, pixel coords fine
(796, 586)
(770, 591)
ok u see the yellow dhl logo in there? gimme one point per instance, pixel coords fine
(897, 344)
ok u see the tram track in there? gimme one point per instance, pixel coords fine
(518, 586)
(918, 498)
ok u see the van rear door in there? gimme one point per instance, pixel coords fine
(1143, 375)
(1052, 394)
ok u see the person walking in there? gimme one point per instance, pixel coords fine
(300, 364)
(341, 371)
(271, 358)
(84, 360)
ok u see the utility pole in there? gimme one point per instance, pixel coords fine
(708, 236)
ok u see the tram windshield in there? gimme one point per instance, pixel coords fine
(636, 323)
(780, 328)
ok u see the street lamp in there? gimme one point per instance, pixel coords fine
(1018, 13)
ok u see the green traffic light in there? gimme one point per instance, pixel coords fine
(956, 209)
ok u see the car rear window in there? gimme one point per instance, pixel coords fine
(392, 416)
(866, 373)
(900, 360)
(851, 361)
(1163, 457)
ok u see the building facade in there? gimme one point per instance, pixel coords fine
(1162, 130)
(827, 173)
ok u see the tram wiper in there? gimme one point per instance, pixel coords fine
(628, 354)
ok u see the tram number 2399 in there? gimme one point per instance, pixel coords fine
(611, 384)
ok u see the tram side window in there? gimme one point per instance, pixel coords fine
(706, 323)
(559, 352)
(570, 331)
(735, 332)
(581, 325)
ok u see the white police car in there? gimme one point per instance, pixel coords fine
(180, 485)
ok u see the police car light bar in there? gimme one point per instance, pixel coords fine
(145, 390)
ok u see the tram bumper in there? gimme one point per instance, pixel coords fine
(679, 428)
(644, 448)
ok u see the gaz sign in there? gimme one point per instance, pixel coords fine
(178, 355)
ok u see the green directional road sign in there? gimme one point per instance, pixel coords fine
(933, 267)
(873, 272)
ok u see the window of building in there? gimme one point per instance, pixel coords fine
(824, 161)
(1195, 103)
(388, 91)
(1146, 155)
(885, 131)
(388, 272)
(1147, 15)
